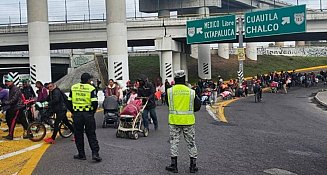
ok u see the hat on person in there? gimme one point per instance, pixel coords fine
(179, 74)
(85, 77)
(9, 79)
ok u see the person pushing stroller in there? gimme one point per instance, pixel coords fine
(147, 90)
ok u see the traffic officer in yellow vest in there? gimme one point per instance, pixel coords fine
(182, 103)
(84, 104)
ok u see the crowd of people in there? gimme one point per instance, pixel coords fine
(210, 91)
(82, 102)
(15, 99)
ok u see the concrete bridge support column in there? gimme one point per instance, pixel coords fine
(251, 51)
(164, 13)
(223, 50)
(184, 64)
(170, 57)
(204, 56)
(299, 43)
(117, 41)
(204, 62)
(38, 39)
(176, 61)
(167, 69)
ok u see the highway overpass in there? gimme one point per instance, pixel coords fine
(141, 32)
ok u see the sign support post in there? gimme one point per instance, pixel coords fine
(240, 42)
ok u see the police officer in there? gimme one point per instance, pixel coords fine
(84, 104)
(182, 103)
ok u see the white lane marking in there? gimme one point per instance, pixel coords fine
(211, 113)
(304, 153)
(276, 171)
(5, 128)
(15, 139)
(20, 151)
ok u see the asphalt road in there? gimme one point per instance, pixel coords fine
(285, 133)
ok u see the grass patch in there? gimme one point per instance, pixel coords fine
(150, 66)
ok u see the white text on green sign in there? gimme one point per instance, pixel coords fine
(275, 22)
(211, 29)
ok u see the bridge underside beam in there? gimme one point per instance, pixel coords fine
(79, 45)
(315, 36)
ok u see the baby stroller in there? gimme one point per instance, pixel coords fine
(130, 121)
(111, 111)
(206, 97)
(273, 86)
(226, 95)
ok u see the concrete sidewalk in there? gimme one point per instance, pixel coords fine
(321, 97)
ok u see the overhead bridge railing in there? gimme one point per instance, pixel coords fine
(131, 23)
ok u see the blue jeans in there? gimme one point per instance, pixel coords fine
(153, 115)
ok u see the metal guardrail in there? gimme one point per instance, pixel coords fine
(135, 22)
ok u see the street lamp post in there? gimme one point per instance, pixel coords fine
(20, 14)
(88, 6)
(135, 9)
(66, 11)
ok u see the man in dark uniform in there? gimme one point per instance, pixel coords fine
(84, 104)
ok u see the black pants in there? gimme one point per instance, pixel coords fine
(61, 116)
(12, 117)
(85, 120)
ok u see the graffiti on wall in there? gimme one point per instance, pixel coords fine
(78, 60)
(294, 51)
(290, 51)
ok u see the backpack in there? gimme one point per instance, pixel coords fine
(66, 101)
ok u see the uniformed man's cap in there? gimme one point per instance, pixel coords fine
(86, 76)
(9, 79)
(179, 74)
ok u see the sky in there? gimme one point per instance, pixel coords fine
(12, 12)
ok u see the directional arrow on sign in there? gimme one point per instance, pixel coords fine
(199, 30)
(286, 20)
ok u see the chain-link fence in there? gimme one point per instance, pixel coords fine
(14, 12)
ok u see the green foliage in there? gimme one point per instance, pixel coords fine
(146, 65)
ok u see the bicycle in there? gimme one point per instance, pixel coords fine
(28, 110)
(37, 130)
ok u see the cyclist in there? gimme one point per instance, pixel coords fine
(42, 92)
(57, 105)
(27, 90)
(14, 111)
(4, 95)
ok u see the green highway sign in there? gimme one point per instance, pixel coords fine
(279, 21)
(211, 29)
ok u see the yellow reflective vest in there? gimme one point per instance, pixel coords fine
(81, 97)
(181, 105)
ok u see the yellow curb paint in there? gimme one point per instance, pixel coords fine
(220, 111)
(29, 167)
(311, 68)
(298, 70)
(14, 164)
